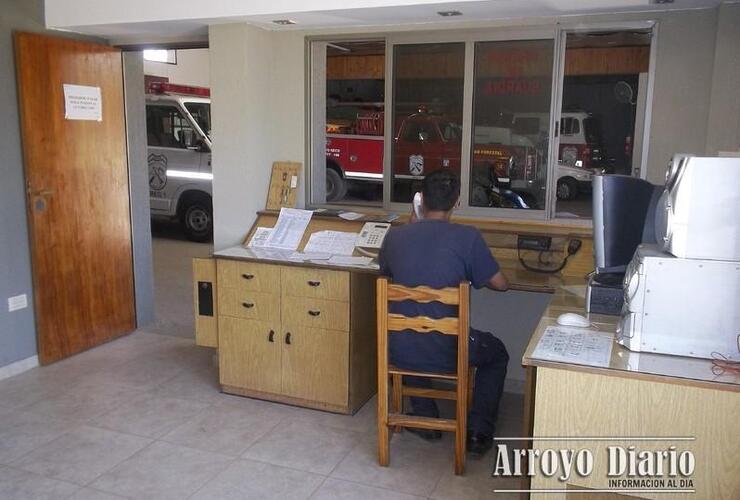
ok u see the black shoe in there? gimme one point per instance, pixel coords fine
(425, 434)
(479, 444)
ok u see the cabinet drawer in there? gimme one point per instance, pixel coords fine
(315, 313)
(249, 305)
(315, 283)
(248, 276)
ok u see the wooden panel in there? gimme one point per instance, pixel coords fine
(316, 365)
(249, 305)
(607, 60)
(363, 361)
(424, 294)
(361, 67)
(315, 283)
(315, 313)
(571, 403)
(248, 276)
(206, 327)
(78, 198)
(423, 324)
(246, 357)
(282, 193)
(444, 376)
(281, 398)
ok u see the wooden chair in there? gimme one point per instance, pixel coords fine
(462, 395)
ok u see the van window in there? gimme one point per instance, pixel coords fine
(201, 113)
(166, 127)
(569, 126)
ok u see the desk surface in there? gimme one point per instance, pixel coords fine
(625, 363)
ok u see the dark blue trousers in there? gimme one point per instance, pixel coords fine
(488, 354)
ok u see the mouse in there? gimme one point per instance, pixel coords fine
(572, 319)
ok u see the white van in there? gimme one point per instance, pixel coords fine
(179, 158)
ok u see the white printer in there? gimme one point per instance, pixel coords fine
(685, 307)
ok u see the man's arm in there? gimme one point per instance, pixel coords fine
(499, 282)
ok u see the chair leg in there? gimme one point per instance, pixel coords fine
(383, 436)
(397, 398)
(471, 386)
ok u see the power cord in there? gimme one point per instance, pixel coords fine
(722, 364)
(573, 247)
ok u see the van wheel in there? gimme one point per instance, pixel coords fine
(336, 187)
(197, 219)
(567, 189)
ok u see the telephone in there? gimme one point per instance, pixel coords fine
(417, 206)
(372, 235)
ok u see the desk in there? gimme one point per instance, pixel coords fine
(638, 394)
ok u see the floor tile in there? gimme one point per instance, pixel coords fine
(26, 389)
(363, 421)
(476, 484)
(334, 489)
(91, 494)
(21, 432)
(414, 469)
(82, 403)
(82, 454)
(227, 428)
(150, 415)
(21, 485)
(303, 445)
(248, 480)
(198, 385)
(162, 471)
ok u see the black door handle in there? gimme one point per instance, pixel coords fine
(314, 313)
(287, 338)
(248, 305)
(271, 336)
(313, 283)
(247, 276)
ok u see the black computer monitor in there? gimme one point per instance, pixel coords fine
(623, 218)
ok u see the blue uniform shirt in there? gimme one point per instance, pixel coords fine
(437, 254)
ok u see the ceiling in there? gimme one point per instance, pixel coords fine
(184, 22)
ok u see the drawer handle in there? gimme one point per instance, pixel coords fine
(287, 338)
(314, 283)
(247, 276)
(271, 336)
(314, 313)
(248, 305)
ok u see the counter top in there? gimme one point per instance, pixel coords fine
(570, 297)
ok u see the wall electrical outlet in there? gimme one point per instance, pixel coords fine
(17, 302)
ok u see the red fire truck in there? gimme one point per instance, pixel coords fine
(423, 142)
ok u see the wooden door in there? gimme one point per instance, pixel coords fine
(78, 197)
(249, 354)
(316, 365)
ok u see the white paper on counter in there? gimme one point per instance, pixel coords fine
(331, 242)
(304, 256)
(346, 260)
(289, 229)
(581, 346)
(259, 238)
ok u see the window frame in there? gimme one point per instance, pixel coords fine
(557, 32)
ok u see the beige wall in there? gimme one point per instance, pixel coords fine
(258, 101)
(192, 68)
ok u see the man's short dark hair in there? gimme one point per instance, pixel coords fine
(441, 189)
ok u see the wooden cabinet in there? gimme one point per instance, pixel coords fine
(295, 334)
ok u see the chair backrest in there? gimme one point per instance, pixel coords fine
(390, 292)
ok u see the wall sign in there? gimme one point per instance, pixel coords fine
(82, 102)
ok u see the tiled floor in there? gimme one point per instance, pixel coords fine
(142, 417)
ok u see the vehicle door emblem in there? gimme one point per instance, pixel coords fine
(416, 164)
(157, 171)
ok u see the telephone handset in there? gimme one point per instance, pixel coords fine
(372, 235)
(417, 206)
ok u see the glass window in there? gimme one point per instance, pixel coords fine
(354, 120)
(427, 113)
(201, 113)
(603, 111)
(511, 124)
(166, 127)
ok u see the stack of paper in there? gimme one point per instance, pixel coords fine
(287, 233)
(331, 242)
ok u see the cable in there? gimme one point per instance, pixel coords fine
(573, 247)
(722, 364)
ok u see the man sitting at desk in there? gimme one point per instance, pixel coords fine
(436, 253)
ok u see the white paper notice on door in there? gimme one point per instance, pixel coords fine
(82, 102)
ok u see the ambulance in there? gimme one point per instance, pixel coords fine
(178, 125)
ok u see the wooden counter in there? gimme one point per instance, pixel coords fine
(638, 395)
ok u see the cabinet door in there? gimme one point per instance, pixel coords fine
(316, 364)
(249, 354)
